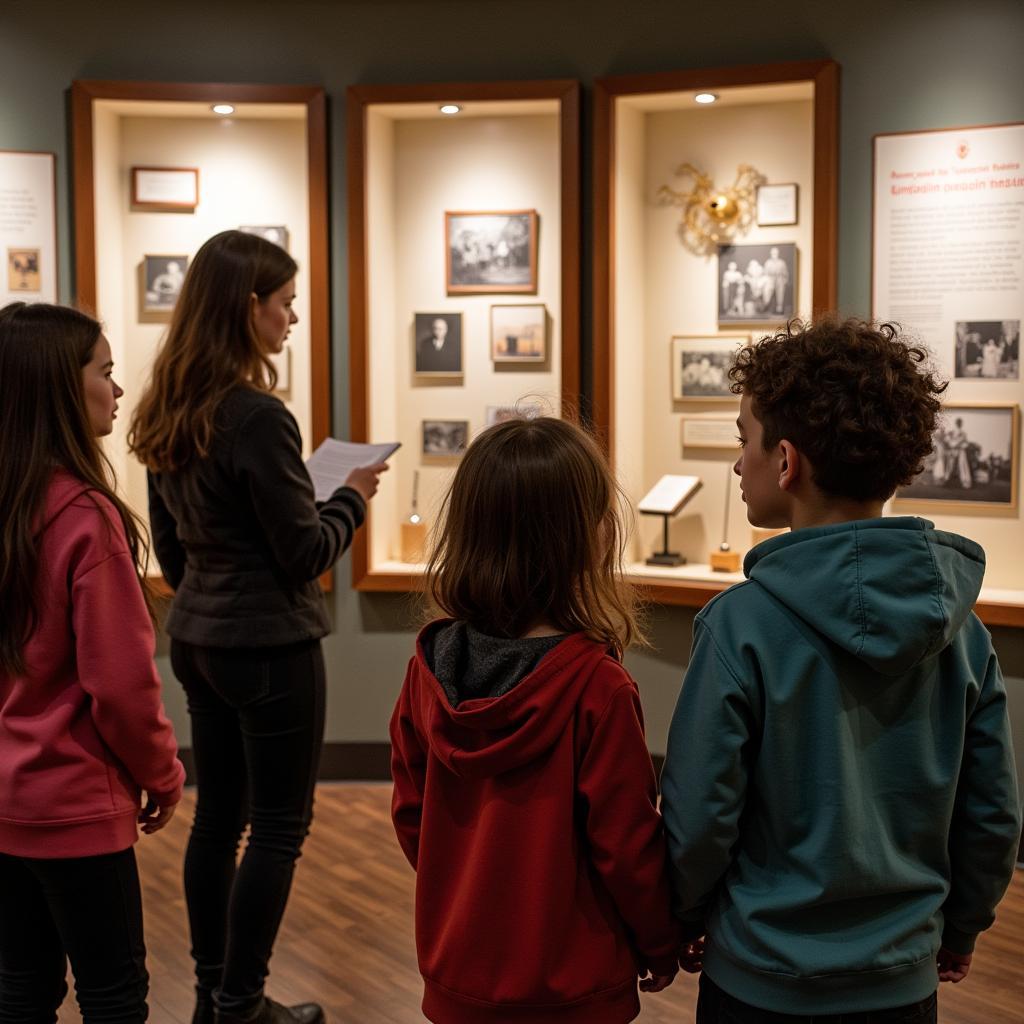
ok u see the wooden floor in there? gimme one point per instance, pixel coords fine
(347, 936)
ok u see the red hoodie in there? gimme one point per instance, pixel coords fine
(542, 885)
(83, 729)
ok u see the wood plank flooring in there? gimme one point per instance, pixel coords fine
(347, 937)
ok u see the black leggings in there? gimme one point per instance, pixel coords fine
(86, 909)
(715, 1006)
(257, 729)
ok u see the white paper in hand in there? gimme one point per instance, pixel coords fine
(330, 465)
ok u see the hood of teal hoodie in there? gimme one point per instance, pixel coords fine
(892, 592)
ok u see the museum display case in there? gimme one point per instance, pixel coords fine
(464, 285)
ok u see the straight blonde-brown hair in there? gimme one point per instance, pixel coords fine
(210, 348)
(533, 531)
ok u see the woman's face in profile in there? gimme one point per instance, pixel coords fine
(273, 316)
(100, 389)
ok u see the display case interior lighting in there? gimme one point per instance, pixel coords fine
(223, 109)
(450, 109)
(705, 97)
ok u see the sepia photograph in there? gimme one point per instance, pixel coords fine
(445, 438)
(519, 333)
(973, 462)
(491, 251)
(756, 283)
(23, 273)
(987, 349)
(162, 278)
(700, 366)
(438, 344)
(276, 233)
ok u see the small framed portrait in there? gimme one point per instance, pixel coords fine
(490, 252)
(519, 411)
(23, 274)
(445, 439)
(283, 364)
(756, 283)
(973, 465)
(519, 334)
(276, 233)
(165, 189)
(987, 350)
(437, 344)
(776, 205)
(700, 366)
(160, 286)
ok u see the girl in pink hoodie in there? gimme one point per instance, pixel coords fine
(82, 729)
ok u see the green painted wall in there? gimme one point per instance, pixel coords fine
(906, 64)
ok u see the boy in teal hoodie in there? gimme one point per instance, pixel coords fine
(839, 788)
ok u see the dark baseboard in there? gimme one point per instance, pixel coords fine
(354, 762)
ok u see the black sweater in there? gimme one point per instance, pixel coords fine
(239, 536)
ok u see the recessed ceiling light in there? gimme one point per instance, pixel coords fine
(223, 109)
(450, 108)
(705, 97)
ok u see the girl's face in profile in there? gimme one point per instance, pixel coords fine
(100, 389)
(273, 316)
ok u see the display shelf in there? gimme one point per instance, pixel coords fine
(414, 175)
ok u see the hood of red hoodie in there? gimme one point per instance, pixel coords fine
(64, 490)
(492, 735)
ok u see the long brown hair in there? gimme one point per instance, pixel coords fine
(44, 424)
(210, 348)
(532, 531)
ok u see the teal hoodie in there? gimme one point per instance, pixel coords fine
(839, 788)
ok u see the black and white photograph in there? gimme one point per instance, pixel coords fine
(438, 344)
(519, 333)
(276, 233)
(490, 251)
(973, 463)
(519, 411)
(756, 283)
(445, 438)
(700, 366)
(162, 278)
(987, 349)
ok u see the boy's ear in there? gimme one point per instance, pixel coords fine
(789, 465)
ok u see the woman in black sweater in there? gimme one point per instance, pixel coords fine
(242, 542)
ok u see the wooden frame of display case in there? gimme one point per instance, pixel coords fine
(362, 97)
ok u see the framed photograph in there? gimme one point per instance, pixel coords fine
(445, 438)
(437, 344)
(278, 234)
(974, 463)
(700, 366)
(490, 251)
(710, 430)
(777, 205)
(28, 226)
(23, 273)
(519, 334)
(165, 188)
(283, 364)
(987, 349)
(519, 411)
(160, 286)
(756, 283)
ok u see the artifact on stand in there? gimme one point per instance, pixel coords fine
(666, 499)
(414, 529)
(725, 559)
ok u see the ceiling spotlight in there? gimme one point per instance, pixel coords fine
(450, 108)
(223, 109)
(705, 97)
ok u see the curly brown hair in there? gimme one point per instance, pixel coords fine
(852, 396)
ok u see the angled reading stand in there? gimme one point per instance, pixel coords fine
(426, 189)
(656, 296)
(265, 164)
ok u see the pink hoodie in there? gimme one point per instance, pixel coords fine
(84, 729)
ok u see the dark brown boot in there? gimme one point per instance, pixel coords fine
(270, 1012)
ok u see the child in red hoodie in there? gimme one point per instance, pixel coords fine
(524, 792)
(82, 729)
